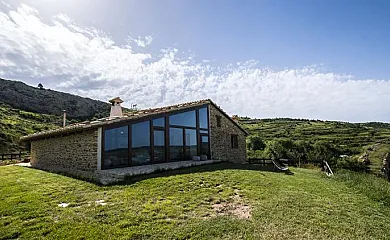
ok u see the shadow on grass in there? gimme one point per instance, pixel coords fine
(166, 173)
(204, 168)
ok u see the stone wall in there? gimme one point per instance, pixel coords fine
(221, 147)
(73, 153)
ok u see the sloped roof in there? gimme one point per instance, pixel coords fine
(86, 125)
(117, 99)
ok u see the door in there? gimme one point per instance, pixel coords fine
(176, 144)
(191, 146)
(205, 145)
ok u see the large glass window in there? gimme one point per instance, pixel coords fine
(149, 143)
(176, 145)
(203, 118)
(191, 143)
(116, 152)
(159, 122)
(140, 141)
(186, 119)
(159, 146)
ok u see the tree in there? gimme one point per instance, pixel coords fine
(280, 148)
(300, 151)
(40, 86)
(256, 143)
(323, 151)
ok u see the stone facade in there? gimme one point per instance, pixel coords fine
(221, 143)
(77, 152)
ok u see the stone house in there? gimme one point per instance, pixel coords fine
(175, 136)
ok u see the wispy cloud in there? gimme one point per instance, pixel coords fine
(86, 61)
(141, 41)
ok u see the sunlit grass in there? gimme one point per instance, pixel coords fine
(178, 204)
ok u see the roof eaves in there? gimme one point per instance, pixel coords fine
(106, 121)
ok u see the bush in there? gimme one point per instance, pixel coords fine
(255, 143)
(323, 151)
(302, 152)
(280, 148)
(352, 164)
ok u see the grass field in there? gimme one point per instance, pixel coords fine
(197, 203)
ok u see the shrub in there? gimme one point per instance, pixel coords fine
(280, 148)
(352, 164)
(255, 143)
(323, 151)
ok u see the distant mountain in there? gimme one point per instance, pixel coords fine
(45, 101)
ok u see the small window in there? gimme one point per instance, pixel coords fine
(203, 118)
(234, 140)
(159, 122)
(219, 121)
(185, 119)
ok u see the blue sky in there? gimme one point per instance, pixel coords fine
(307, 59)
(349, 37)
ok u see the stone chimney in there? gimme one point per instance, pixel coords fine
(116, 108)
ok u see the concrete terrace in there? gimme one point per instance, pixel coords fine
(114, 175)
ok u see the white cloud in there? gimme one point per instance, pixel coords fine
(141, 41)
(88, 62)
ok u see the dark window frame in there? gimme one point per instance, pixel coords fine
(180, 117)
(234, 141)
(219, 120)
(151, 140)
(103, 166)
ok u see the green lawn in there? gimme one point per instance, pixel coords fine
(198, 203)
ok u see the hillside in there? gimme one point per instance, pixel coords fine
(372, 138)
(15, 123)
(22, 96)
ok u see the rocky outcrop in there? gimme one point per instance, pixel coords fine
(386, 166)
(364, 158)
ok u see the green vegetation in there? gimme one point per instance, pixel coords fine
(196, 203)
(254, 143)
(15, 123)
(352, 139)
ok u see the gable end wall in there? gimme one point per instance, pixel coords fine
(220, 143)
(77, 151)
